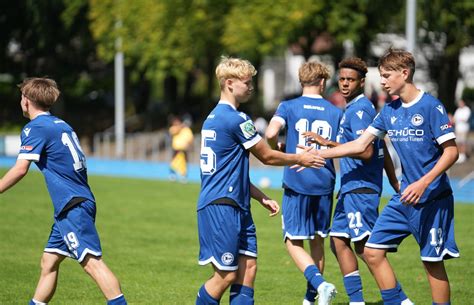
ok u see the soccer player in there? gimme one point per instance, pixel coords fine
(227, 235)
(361, 180)
(419, 128)
(307, 198)
(53, 145)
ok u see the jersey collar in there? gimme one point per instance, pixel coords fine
(416, 100)
(312, 95)
(227, 103)
(354, 100)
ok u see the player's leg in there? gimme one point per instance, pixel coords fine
(349, 268)
(219, 227)
(47, 283)
(78, 231)
(211, 292)
(437, 243)
(108, 283)
(242, 290)
(390, 229)
(439, 283)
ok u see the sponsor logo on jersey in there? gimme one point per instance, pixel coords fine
(313, 107)
(211, 116)
(440, 109)
(393, 120)
(27, 131)
(406, 135)
(445, 126)
(243, 115)
(417, 119)
(360, 113)
(26, 147)
(248, 129)
(227, 258)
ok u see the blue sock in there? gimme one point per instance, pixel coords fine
(391, 296)
(204, 298)
(31, 303)
(353, 285)
(402, 294)
(313, 275)
(241, 295)
(120, 300)
(34, 302)
(311, 292)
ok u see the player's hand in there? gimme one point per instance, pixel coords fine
(314, 138)
(271, 205)
(309, 158)
(412, 194)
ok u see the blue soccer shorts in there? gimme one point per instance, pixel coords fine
(303, 216)
(431, 223)
(73, 233)
(225, 232)
(355, 216)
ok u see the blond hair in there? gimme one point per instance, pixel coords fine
(43, 92)
(311, 73)
(396, 60)
(230, 67)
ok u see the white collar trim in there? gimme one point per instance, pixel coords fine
(416, 100)
(227, 103)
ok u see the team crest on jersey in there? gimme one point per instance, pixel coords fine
(440, 109)
(227, 258)
(393, 120)
(248, 129)
(27, 131)
(417, 119)
(360, 113)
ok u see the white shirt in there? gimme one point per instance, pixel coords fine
(461, 119)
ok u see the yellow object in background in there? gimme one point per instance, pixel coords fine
(178, 163)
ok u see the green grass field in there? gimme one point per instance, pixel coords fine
(149, 239)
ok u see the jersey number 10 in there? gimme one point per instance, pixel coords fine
(72, 142)
(319, 127)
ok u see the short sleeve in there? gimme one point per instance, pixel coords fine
(33, 142)
(281, 114)
(440, 125)
(378, 127)
(244, 132)
(360, 120)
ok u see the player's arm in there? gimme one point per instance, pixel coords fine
(269, 156)
(264, 200)
(413, 192)
(272, 132)
(15, 174)
(390, 169)
(353, 148)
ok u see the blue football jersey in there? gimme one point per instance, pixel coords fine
(53, 145)
(226, 136)
(360, 112)
(309, 113)
(417, 130)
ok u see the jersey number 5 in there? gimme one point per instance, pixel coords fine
(208, 157)
(72, 142)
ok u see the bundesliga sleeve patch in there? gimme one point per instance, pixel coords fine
(248, 129)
